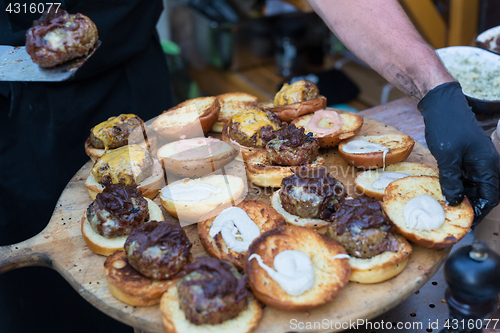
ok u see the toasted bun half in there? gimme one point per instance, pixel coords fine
(294, 219)
(231, 104)
(216, 157)
(330, 275)
(262, 173)
(365, 179)
(351, 125)
(191, 210)
(174, 320)
(95, 153)
(381, 267)
(149, 186)
(265, 217)
(291, 111)
(458, 219)
(131, 287)
(107, 246)
(245, 151)
(400, 147)
(189, 119)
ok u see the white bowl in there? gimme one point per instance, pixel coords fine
(461, 59)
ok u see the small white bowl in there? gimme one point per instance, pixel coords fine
(453, 57)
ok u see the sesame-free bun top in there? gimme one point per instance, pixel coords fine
(351, 125)
(458, 219)
(330, 274)
(201, 196)
(196, 157)
(364, 181)
(400, 147)
(192, 118)
(264, 216)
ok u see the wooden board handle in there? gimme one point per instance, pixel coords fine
(23, 254)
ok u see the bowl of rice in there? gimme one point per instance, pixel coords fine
(478, 71)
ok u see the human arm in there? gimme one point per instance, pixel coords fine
(380, 34)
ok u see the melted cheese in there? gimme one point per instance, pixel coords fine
(123, 164)
(251, 121)
(101, 130)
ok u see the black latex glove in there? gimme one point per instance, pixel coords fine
(467, 159)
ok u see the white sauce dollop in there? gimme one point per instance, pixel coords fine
(191, 192)
(424, 213)
(341, 256)
(294, 271)
(365, 147)
(386, 178)
(229, 223)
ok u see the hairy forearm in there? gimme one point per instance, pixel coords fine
(380, 34)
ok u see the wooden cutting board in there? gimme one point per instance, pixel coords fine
(61, 246)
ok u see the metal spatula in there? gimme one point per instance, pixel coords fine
(16, 65)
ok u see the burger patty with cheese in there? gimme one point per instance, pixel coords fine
(127, 165)
(116, 132)
(253, 127)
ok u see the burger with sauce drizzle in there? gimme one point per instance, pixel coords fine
(377, 252)
(212, 296)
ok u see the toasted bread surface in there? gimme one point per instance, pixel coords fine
(262, 173)
(130, 286)
(351, 125)
(174, 320)
(264, 216)
(189, 119)
(231, 104)
(381, 267)
(231, 187)
(107, 246)
(330, 275)
(458, 219)
(196, 167)
(400, 147)
(294, 219)
(365, 179)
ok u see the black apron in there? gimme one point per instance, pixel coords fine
(43, 127)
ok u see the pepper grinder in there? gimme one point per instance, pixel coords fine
(473, 277)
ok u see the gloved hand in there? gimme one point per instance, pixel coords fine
(467, 160)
